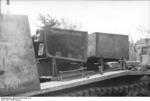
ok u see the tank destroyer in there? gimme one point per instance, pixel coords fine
(59, 65)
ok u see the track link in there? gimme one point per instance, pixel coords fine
(137, 88)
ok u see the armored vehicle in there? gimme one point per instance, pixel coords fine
(58, 66)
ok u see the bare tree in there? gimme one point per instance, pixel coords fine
(67, 25)
(47, 21)
(144, 32)
(132, 54)
(50, 22)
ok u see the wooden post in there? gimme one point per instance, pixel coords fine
(0, 7)
(60, 75)
(8, 9)
(101, 66)
(124, 64)
(83, 71)
(121, 64)
(54, 66)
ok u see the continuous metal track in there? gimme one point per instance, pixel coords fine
(138, 88)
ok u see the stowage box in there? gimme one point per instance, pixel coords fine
(65, 43)
(112, 46)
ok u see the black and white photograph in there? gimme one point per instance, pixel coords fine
(74, 48)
